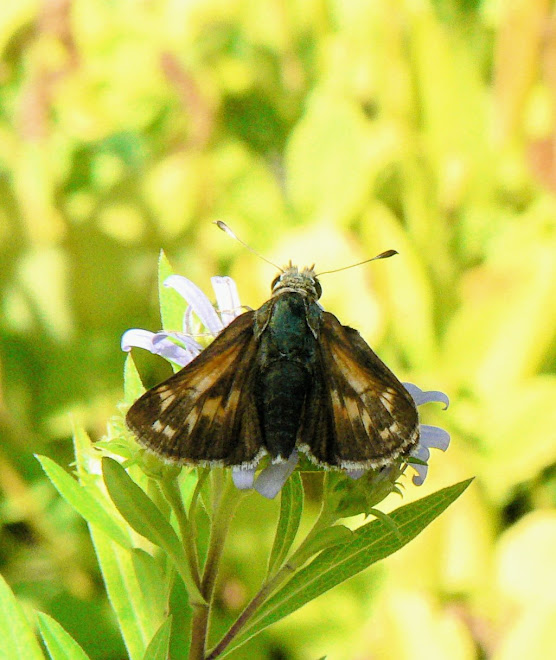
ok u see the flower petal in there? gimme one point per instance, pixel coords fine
(227, 298)
(186, 324)
(421, 452)
(419, 478)
(157, 344)
(434, 436)
(189, 343)
(355, 474)
(272, 478)
(169, 350)
(137, 338)
(420, 397)
(199, 302)
(243, 478)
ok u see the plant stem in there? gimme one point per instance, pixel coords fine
(219, 530)
(225, 499)
(299, 557)
(259, 598)
(171, 491)
(199, 624)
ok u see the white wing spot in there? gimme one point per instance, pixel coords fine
(169, 432)
(166, 401)
(211, 407)
(157, 426)
(386, 400)
(384, 434)
(367, 422)
(352, 408)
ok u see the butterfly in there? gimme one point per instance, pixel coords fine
(287, 375)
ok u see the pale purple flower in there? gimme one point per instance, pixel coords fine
(430, 436)
(186, 348)
(181, 348)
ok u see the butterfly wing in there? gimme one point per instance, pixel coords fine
(205, 413)
(358, 415)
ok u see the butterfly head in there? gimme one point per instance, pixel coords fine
(291, 279)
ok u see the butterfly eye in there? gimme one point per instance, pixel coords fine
(275, 281)
(318, 288)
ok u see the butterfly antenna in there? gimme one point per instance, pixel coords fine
(382, 255)
(224, 227)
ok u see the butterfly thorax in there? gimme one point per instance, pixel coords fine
(292, 280)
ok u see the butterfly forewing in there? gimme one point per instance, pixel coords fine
(206, 412)
(358, 414)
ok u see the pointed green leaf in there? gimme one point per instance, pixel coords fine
(137, 620)
(138, 509)
(291, 508)
(18, 640)
(83, 501)
(59, 643)
(377, 513)
(369, 544)
(326, 538)
(160, 643)
(146, 518)
(180, 609)
(151, 580)
(82, 448)
(133, 385)
(172, 305)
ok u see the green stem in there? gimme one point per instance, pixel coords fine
(199, 625)
(222, 518)
(225, 499)
(299, 557)
(172, 492)
(259, 598)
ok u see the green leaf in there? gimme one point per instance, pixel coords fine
(325, 538)
(59, 643)
(137, 619)
(151, 581)
(133, 385)
(377, 513)
(291, 508)
(180, 609)
(160, 643)
(82, 447)
(172, 305)
(83, 501)
(16, 634)
(369, 544)
(138, 509)
(146, 518)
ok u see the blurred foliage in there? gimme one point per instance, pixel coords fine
(320, 130)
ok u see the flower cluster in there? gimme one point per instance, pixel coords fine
(181, 348)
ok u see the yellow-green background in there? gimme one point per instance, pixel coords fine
(324, 132)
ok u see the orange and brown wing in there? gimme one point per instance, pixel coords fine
(358, 414)
(205, 413)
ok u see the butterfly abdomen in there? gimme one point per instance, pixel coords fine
(286, 357)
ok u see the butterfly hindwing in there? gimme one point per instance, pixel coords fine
(205, 413)
(358, 414)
